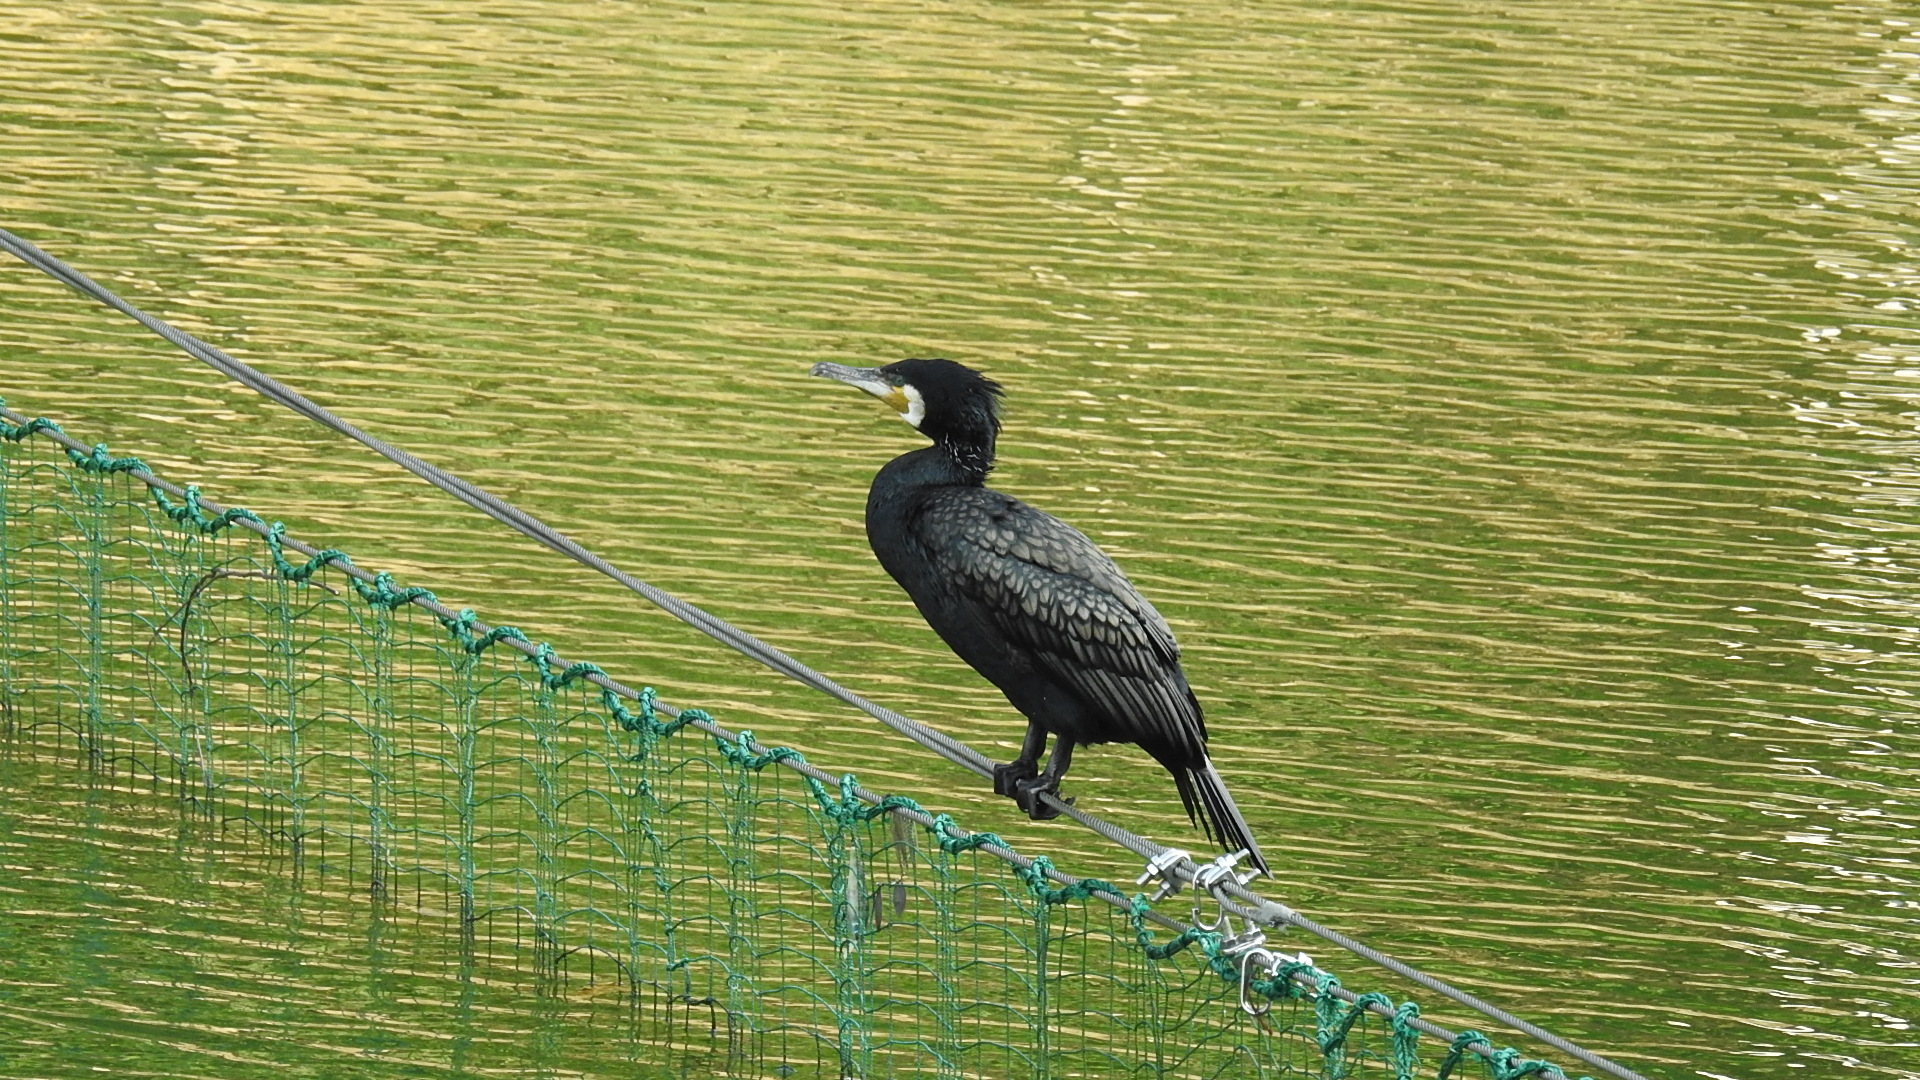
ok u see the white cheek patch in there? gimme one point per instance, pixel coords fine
(916, 406)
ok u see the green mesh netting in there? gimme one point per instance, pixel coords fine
(757, 920)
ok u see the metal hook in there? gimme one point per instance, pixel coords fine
(1219, 922)
(1210, 877)
(1247, 947)
(1246, 981)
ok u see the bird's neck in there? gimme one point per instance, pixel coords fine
(933, 466)
(968, 461)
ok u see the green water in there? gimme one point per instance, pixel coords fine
(1511, 406)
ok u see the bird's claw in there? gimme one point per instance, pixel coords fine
(1026, 795)
(1008, 778)
(1024, 784)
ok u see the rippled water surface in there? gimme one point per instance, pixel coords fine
(1511, 406)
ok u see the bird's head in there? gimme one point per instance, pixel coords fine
(952, 404)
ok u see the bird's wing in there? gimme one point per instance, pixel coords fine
(1063, 602)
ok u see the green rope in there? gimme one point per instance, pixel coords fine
(1507, 1064)
(190, 513)
(15, 433)
(275, 544)
(738, 753)
(1137, 913)
(99, 461)
(461, 627)
(955, 840)
(1335, 1018)
(845, 810)
(385, 595)
(1503, 1064)
(1457, 1051)
(646, 720)
(1406, 1059)
(1035, 875)
(851, 809)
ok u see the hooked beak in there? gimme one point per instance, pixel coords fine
(869, 379)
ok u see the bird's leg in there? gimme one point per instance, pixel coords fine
(1027, 792)
(1025, 767)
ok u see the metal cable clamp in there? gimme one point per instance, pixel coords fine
(1160, 868)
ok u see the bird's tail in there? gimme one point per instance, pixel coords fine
(1202, 789)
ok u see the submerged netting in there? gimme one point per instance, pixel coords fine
(761, 918)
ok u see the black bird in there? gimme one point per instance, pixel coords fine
(1029, 601)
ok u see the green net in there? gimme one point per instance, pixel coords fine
(759, 919)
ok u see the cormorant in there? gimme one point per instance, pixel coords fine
(1029, 601)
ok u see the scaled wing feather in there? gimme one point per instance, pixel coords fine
(1056, 595)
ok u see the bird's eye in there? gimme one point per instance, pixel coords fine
(895, 380)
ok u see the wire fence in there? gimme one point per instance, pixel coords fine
(761, 915)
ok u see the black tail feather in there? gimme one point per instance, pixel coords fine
(1210, 806)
